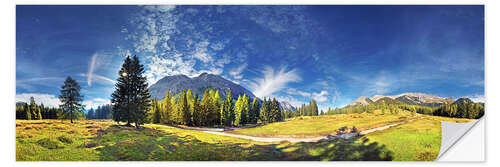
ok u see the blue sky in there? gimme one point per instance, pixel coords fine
(333, 54)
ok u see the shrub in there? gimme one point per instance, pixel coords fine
(49, 143)
(65, 139)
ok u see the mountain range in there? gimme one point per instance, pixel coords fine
(177, 83)
(199, 84)
(405, 98)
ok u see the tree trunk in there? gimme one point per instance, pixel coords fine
(71, 114)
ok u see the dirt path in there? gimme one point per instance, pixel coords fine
(295, 140)
(268, 139)
(220, 131)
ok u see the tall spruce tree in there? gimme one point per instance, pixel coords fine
(70, 99)
(196, 110)
(254, 111)
(167, 109)
(90, 114)
(264, 115)
(275, 111)
(131, 95)
(226, 109)
(183, 109)
(238, 109)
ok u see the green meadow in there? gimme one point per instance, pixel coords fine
(104, 140)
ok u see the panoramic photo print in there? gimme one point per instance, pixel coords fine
(244, 82)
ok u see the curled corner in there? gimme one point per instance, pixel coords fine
(451, 133)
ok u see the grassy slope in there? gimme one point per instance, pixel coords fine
(414, 141)
(313, 126)
(55, 141)
(50, 140)
(104, 141)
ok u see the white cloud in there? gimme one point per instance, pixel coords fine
(273, 81)
(45, 81)
(160, 8)
(236, 73)
(294, 91)
(193, 52)
(477, 98)
(217, 46)
(320, 97)
(383, 83)
(97, 60)
(99, 78)
(96, 102)
(201, 52)
(49, 100)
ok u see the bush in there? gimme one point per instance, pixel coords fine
(65, 139)
(49, 143)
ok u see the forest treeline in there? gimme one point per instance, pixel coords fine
(102, 112)
(32, 111)
(465, 109)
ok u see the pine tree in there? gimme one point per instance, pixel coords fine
(28, 113)
(238, 109)
(121, 96)
(155, 111)
(245, 109)
(254, 111)
(217, 101)
(39, 113)
(264, 115)
(275, 111)
(168, 109)
(206, 108)
(90, 114)
(70, 99)
(226, 109)
(196, 110)
(314, 108)
(131, 95)
(182, 106)
(190, 102)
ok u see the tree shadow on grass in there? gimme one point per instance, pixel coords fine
(119, 143)
(353, 149)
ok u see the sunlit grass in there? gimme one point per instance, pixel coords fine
(53, 140)
(314, 126)
(419, 140)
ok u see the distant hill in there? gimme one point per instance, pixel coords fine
(405, 98)
(198, 84)
(361, 101)
(463, 100)
(387, 100)
(20, 103)
(285, 105)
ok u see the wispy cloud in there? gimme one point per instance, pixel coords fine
(318, 96)
(273, 81)
(99, 78)
(97, 60)
(477, 98)
(193, 52)
(46, 81)
(236, 73)
(382, 83)
(49, 100)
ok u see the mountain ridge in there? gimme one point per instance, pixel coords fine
(176, 83)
